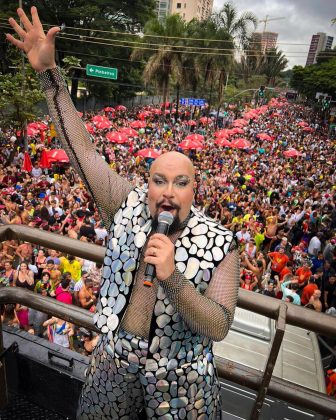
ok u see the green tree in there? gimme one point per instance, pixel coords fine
(19, 96)
(315, 78)
(274, 62)
(239, 27)
(82, 21)
(164, 57)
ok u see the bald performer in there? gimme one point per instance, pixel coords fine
(155, 349)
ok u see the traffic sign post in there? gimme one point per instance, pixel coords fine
(104, 72)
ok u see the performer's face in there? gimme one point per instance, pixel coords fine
(170, 186)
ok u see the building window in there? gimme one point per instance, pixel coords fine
(185, 5)
(178, 5)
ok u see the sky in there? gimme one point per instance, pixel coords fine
(303, 18)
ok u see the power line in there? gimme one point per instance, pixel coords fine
(161, 36)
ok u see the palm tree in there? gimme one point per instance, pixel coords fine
(212, 69)
(274, 62)
(165, 55)
(239, 28)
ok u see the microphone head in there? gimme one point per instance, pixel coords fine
(166, 217)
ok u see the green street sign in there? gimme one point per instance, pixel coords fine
(104, 72)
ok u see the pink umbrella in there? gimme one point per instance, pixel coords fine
(116, 137)
(99, 118)
(192, 123)
(165, 105)
(38, 126)
(57, 155)
(195, 137)
(222, 133)
(89, 128)
(44, 161)
(264, 136)
(148, 153)
(292, 153)
(130, 132)
(157, 111)
(302, 124)
(120, 108)
(205, 120)
(109, 109)
(27, 165)
(103, 125)
(240, 143)
(250, 115)
(138, 124)
(144, 114)
(239, 123)
(31, 132)
(222, 141)
(237, 130)
(190, 145)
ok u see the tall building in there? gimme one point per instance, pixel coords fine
(319, 42)
(162, 8)
(267, 40)
(188, 9)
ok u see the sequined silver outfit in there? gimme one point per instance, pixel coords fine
(179, 317)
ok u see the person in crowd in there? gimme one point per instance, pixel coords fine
(60, 332)
(290, 295)
(62, 293)
(170, 188)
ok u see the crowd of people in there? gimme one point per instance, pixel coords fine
(267, 174)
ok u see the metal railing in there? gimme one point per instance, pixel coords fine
(262, 382)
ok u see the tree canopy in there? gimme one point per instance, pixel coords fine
(315, 78)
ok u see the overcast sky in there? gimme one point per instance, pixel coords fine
(303, 18)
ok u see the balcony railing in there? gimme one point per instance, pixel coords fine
(262, 382)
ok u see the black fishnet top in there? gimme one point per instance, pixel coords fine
(208, 314)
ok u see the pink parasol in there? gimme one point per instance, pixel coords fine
(292, 153)
(89, 128)
(109, 109)
(264, 136)
(191, 122)
(128, 131)
(222, 133)
(144, 114)
(148, 153)
(240, 143)
(116, 137)
(57, 155)
(99, 118)
(157, 111)
(190, 145)
(303, 124)
(206, 120)
(38, 126)
(223, 142)
(27, 165)
(237, 130)
(239, 123)
(120, 108)
(103, 125)
(138, 124)
(195, 137)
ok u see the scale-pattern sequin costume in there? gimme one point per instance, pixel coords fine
(170, 370)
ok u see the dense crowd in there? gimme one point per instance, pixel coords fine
(266, 173)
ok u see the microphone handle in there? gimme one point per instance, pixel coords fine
(150, 268)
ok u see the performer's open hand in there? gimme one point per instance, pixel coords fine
(160, 252)
(39, 47)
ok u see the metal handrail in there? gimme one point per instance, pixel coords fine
(252, 378)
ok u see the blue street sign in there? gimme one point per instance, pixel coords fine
(192, 101)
